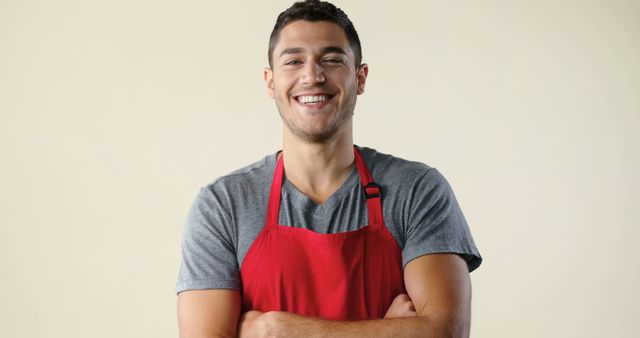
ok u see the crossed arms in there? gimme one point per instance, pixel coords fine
(438, 305)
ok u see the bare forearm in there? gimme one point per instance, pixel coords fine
(391, 327)
(283, 324)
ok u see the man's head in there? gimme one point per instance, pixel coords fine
(315, 75)
(315, 10)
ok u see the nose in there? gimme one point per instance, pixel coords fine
(312, 73)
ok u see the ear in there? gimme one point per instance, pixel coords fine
(363, 72)
(268, 80)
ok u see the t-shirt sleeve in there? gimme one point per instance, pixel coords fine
(208, 254)
(436, 223)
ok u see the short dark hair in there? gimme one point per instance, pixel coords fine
(315, 10)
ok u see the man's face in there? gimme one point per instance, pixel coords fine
(314, 80)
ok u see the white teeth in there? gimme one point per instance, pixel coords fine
(313, 99)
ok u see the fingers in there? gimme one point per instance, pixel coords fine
(247, 325)
(403, 297)
(401, 307)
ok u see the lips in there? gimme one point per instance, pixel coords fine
(313, 100)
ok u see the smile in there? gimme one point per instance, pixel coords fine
(312, 98)
(316, 100)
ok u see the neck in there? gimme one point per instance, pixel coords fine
(318, 169)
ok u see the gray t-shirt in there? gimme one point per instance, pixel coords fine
(419, 209)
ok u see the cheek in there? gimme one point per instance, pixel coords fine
(347, 79)
(282, 87)
(350, 86)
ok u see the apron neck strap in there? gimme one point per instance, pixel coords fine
(372, 192)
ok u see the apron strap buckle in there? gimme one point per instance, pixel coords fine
(372, 190)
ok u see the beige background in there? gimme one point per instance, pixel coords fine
(114, 113)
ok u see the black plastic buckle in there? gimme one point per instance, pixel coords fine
(372, 186)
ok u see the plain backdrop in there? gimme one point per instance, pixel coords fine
(114, 114)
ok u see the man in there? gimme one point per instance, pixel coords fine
(324, 238)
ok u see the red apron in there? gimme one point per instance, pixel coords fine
(351, 275)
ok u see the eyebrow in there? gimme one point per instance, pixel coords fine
(325, 50)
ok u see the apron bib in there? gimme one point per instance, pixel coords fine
(352, 275)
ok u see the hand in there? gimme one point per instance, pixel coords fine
(401, 307)
(250, 325)
(274, 324)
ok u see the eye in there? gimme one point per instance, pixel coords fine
(333, 60)
(293, 62)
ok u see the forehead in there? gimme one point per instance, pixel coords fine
(310, 35)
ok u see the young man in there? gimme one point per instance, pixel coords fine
(324, 237)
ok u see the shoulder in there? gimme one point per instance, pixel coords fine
(247, 181)
(390, 170)
(406, 181)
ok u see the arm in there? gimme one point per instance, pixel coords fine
(438, 285)
(208, 285)
(208, 313)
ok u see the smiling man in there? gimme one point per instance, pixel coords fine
(324, 238)
(318, 106)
